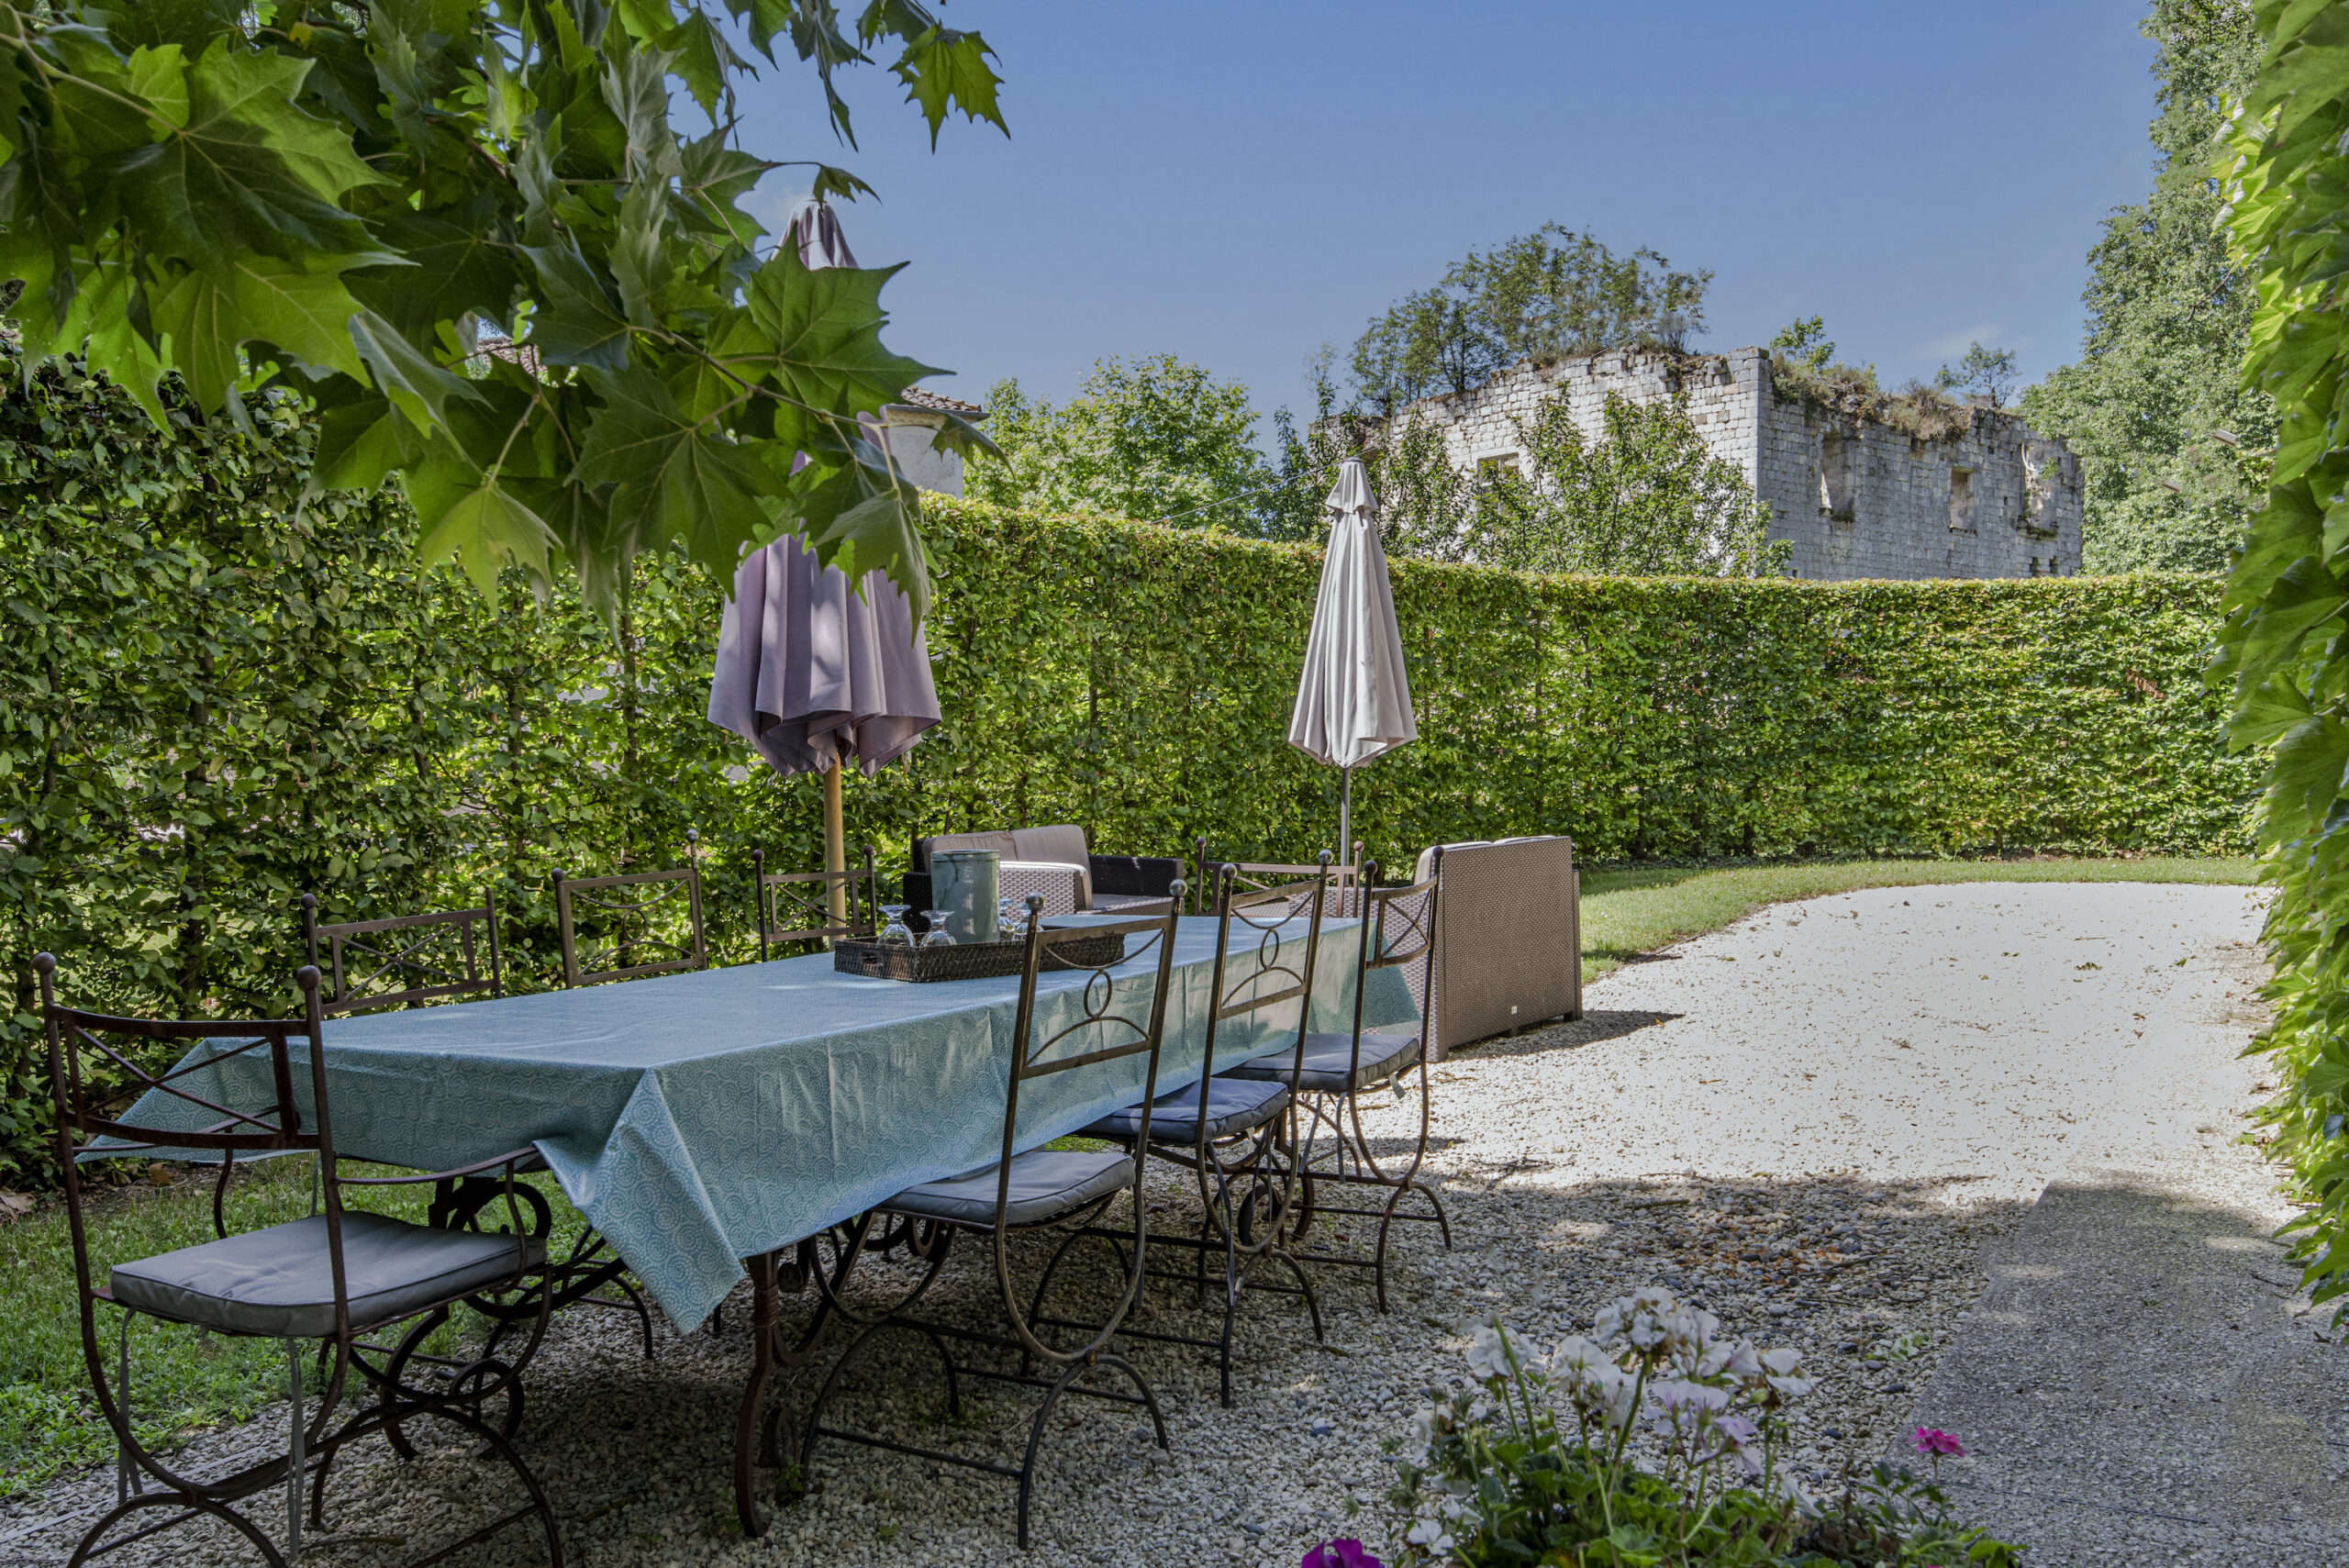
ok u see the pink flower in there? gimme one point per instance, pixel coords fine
(1340, 1554)
(1934, 1441)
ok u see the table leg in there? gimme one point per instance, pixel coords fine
(746, 1428)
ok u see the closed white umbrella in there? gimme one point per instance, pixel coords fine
(1353, 700)
(808, 672)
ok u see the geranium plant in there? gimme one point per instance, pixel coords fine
(1655, 1440)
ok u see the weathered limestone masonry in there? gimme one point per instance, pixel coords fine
(1853, 496)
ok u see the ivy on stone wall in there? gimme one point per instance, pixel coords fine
(213, 700)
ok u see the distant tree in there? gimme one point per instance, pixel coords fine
(1542, 297)
(1986, 372)
(2172, 448)
(1805, 343)
(1153, 439)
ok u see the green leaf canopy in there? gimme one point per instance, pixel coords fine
(469, 237)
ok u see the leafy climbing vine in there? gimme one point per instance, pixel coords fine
(2285, 650)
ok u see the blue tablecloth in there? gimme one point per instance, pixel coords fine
(701, 1118)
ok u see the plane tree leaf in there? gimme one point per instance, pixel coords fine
(476, 242)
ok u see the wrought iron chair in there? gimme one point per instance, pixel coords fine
(632, 903)
(805, 896)
(342, 1277)
(455, 972)
(439, 950)
(1253, 876)
(1036, 1190)
(1399, 927)
(1235, 1133)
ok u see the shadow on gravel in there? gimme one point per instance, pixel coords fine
(1595, 1025)
(2144, 1380)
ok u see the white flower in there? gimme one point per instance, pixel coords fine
(1604, 1395)
(1576, 1355)
(1688, 1333)
(1499, 1350)
(1423, 1430)
(1745, 1364)
(1675, 1402)
(1784, 1367)
(1431, 1535)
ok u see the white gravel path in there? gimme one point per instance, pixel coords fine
(1809, 1121)
(2002, 1033)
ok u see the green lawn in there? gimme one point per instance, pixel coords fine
(183, 1380)
(187, 1381)
(1639, 910)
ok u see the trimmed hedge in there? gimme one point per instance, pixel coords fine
(212, 700)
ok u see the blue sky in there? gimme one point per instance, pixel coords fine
(1239, 184)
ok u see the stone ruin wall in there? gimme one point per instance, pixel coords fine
(1854, 497)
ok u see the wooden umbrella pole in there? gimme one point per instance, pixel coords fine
(835, 849)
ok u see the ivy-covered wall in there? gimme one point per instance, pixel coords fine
(213, 700)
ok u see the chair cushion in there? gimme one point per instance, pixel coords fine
(1234, 1105)
(1131, 903)
(1328, 1058)
(1046, 1184)
(279, 1282)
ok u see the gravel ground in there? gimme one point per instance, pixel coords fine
(1810, 1123)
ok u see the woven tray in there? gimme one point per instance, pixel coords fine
(968, 960)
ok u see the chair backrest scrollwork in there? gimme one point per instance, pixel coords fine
(631, 907)
(803, 898)
(442, 953)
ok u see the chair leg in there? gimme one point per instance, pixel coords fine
(296, 1461)
(88, 1547)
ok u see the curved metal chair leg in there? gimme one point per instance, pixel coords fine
(88, 1544)
(1036, 1440)
(383, 1418)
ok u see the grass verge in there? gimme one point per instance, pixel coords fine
(1636, 910)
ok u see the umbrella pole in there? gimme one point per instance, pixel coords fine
(835, 849)
(1346, 810)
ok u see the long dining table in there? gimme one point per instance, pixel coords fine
(703, 1119)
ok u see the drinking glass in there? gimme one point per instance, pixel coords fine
(936, 936)
(1006, 924)
(896, 929)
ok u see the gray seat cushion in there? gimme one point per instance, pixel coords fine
(1046, 1184)
(279, 1282)
(1234, 1105)
(1329, 1063)
(1130, 903)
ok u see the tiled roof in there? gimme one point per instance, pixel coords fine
(918, 397)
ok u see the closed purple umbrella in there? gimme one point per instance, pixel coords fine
(810, 673)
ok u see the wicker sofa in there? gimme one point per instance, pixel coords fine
(1057, 863)
(1509, 944)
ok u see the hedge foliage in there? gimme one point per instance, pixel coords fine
(2285, 650)
(212, 699)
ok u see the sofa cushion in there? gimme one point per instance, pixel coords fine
(1427, 857)
(1000, 842)
(1062, 841)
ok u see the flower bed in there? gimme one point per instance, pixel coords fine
(1654, 1441)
